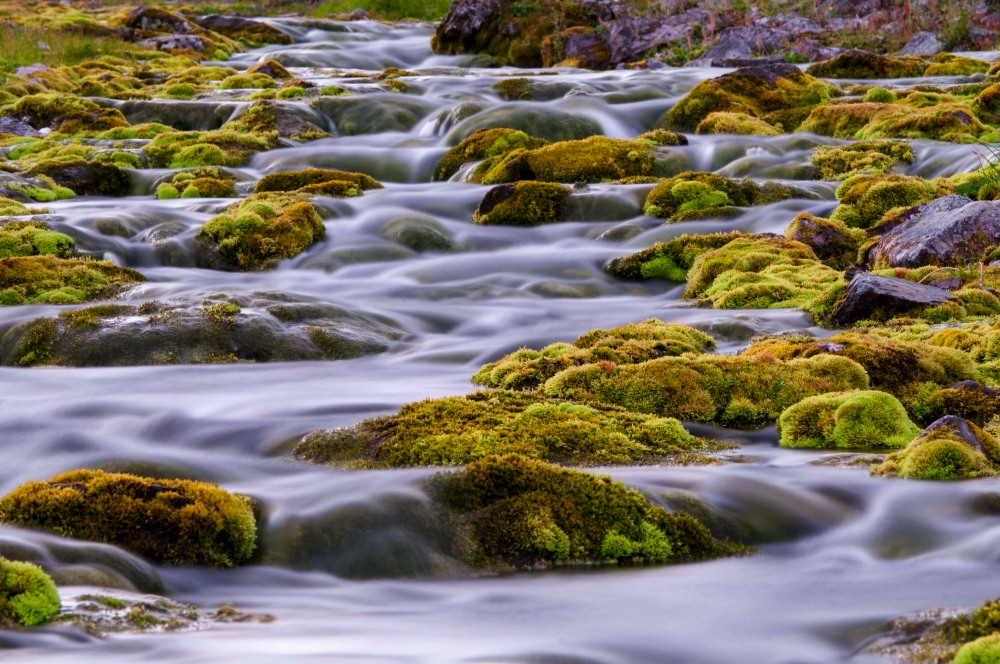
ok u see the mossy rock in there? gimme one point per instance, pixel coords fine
(842, 161)
(28, 596)
(460, 430)
(735, 123)
(865, 199)
(179, 522)
(484, 144)
(286, 120)
(418, 233)
(298, 180)
(271, 68)
(669, 260)
(949, 449)
(545, 123)
(373, 114)
(64, 114)
(833, 242)
(779, 94)
(968, 399)
(864, 419)
(861, 64)
(192, 149)
(86, 178)
(33, 238)
(12, 208)
(518, 512)
(53, 280)
(255, 233)
(952, 122)
(594, 159)
(523, 204)
(948, 64)
(693, 195)
(627, 344)
(737, 391)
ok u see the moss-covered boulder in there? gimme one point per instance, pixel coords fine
(178, 522)
(523, 204)
(318, 181)
(953, 122)
(86, 178)
(865, 199)
(484, 144)
(52, 280)
(191, 149)
(669, 260)
(832, 241)
(862, 64)
(842, 161)
(735, 123)
(256, 232)
(694, 195)
(268, 117)
(865, 419)
(33, 238)
(949, 449)
(518, 512)
(418, 233)
(27, 595)
(968, 399)
(779, 94)
(627, 344)
(460, 430)
(63, 114)
(204, 182)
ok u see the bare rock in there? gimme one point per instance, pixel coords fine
(871, 296)
(922, 43)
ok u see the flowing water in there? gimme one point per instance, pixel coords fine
(351, 563)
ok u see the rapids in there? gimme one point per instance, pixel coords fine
(351, 564)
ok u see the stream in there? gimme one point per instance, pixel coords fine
(351, 563)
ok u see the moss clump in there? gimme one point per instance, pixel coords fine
(253, 234)
(692, 195)
(949, 449)
(523, 204)
(851, 420)
(669, 260)
(946, 64)
(954, 122)
(11, 208)
(32, 238)
(197, 188)
(833, 242)
(523, 513)
(247, 82)
(593, 159)
(64, 114)
(271, 68)
(780, 95)
(879, 95)
(299, 180)
(735, 123)
(865, 199)
(663, 138)
(484, 144)
(964, 627)
(27, 595)
(628, 344)
(460, 430)
(969, 400)
(861, 64)
(178, 522)
(842, 161)
(984, 650)
(730, 391)
(191, 149)
(53, 280)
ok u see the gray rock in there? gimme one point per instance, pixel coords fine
(588, 49)
(158, 20)
(465, 19)
(922, 43)
(181, 115)
(960, 428)
(940, 235)
(30, 70)
(174, 42)
(9, 125)
(748, 42)
(244, 28)
(541, 121)
(868, 294)
(629, 38)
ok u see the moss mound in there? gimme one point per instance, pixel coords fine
(53, 280)
(484, 144)
(460, 430)
(735, 123)
(984, 650)
(191, 149)
(628, 344)
(693, 195)
(953, 122)
(205, 182)
(177, 522)
(669, 260)
(865, 199)
(354, 183)
(27, 595)
(593, 159)
(64, 114)
(523, 204)
(32, 238)
(949, 449)
(524, 513)
(256, 232)
(843, 161)
(851, 420)
(861, 64)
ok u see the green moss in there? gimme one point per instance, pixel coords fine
(680, 197)
(298, 180)
(291, 92)
(460, 430)
(593, 159)
(954, 122)
(984, 650)
(735, 123)
(178, 522)
(977, 404)
(669, 260)
(946, 64)
(189, 149)
(270, 68)
(942, 453)
(52, 280)
(730, 391)
(10, 207)
(849, 420)
(523, 513)
(865, 199)
(879, 95)
(243, 238)
(27, 595)
(834, 243)
(523, 204)
(860, 64)
(30, 238)
(984, 621)
(663, 138)
(484, 144)
(843, 161)
(628, 344)
(247, 81)
(167, 192)
(64, 114)
(514, 89)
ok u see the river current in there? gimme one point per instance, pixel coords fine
(350, 565)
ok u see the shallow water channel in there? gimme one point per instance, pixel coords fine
(350, 563)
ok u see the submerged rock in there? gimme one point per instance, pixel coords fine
(949, 449)
(871, 297)
(545, 123)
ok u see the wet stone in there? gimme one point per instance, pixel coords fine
(869, 294)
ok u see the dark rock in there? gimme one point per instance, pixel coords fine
(87, 178)
(960, 428)
(948, 283)
(975, 386)
(942, 204)
(460, 29)
(158, 20)
(181, 115)
(922, 43)
(586, 48)
(629, 38)
(826, 240)
(869, 296)
(734, 62)
(359, 15)
(9, 125)
(747, 42)
(174, 43)
(244, 29)
(936, 236)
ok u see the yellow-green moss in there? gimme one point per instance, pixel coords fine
(953, 122)
(523, 204)
(298, 180)
(735, 123)
(247, 81)
(32, 238)
(860, 64)
(64, 114)
(669, 260)
(189, 149)
(865, 199)
(593, 159)
(941, 453)
(842, 161)
(27, 595)
(52, 280)
(173, 521)
(848, 420)
(946, 64)
(831, 240)
(695, 194)
(484, 144)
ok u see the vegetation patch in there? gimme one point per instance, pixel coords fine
(865, 419)
(694, 195)
(27, 595)
(842, 161)
(51, 280)
(949, 449)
